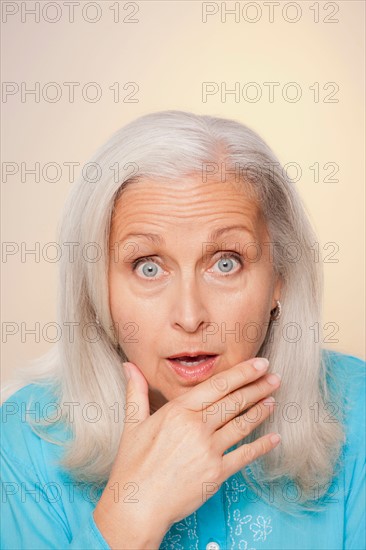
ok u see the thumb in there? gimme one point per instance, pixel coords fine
(137, 395)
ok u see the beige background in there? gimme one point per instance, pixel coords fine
(169, 53)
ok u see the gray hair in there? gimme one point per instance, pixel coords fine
(171, 144)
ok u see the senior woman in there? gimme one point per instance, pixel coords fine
(192, 264)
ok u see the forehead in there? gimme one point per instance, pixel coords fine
(162, 203)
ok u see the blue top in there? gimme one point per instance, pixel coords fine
(43, 508)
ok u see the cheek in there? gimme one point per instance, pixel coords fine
(122, 303)
(243, 318)
(251, 303)
(244, 324)
(135, 323)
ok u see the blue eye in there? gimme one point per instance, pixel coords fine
(150, 267)
(226, 261)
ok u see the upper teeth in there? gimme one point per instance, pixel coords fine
(192, 362)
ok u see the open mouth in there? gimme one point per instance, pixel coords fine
(191, 361)
(193, 367)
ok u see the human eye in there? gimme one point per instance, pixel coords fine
(150, 270)
(226, 260)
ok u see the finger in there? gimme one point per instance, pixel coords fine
(242, 425)
(137, 396)
(220, 413)
(246, 453)
(215, 388)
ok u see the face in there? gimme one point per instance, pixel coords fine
(182, 289)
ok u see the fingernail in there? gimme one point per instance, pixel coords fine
(274, 379)
(275, 438)
(260, 363)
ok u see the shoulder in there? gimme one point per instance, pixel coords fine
(346, 375)
(341, 358)
(25, 416)
(32, 401)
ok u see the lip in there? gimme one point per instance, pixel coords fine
(194, 373)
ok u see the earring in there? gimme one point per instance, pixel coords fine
(97, 320)
(276, 312)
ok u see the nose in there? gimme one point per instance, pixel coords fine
(188, 305)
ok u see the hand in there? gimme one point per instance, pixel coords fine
(166, 459)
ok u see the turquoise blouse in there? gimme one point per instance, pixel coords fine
(42, 507)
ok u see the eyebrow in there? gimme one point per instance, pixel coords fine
(215, 234)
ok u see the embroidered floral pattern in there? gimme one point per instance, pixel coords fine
(243, 527)
(239, 522)
(182, 535)
(243, 545)
(262, 528)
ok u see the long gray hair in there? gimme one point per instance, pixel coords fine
(87, 369)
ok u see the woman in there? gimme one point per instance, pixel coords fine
(192, 264)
